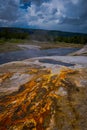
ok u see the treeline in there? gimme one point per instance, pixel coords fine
(9, 34)
(40, 35)
(72, 39)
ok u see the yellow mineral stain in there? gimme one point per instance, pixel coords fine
(5, 76)
(41, 120)
(27, 108)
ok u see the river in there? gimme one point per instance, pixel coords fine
(26, 54)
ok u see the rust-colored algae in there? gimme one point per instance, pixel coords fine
(36, 105)
(5, 76)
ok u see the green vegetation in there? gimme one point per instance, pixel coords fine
(72, 39)
(14, 41)
(11, 37)
(17, 34)
(6, 34)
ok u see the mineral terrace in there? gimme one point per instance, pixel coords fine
(42, 97)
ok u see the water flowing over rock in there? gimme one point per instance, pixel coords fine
(81, 52)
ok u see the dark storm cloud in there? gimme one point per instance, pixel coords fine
(79, 14)
(8, 10)
(83, 10)
(67, 15)
(37, 2)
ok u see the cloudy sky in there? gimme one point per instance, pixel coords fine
(65, 15)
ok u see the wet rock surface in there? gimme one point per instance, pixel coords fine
(51, 61)
(33, 97)
(81, 52)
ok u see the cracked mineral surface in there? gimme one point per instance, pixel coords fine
(34, 97)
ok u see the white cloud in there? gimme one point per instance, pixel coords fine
(45, 14)
(75, 1)
(51, 14)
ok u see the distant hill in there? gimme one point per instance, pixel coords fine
(35, 34)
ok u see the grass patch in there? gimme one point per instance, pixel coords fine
(7, 45)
